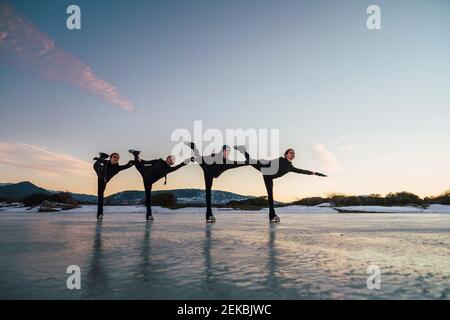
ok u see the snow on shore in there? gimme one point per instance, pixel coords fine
(435, 208)
(304, 209)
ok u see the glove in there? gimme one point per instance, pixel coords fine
(320, 174)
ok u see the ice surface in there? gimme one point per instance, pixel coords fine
(242, 256)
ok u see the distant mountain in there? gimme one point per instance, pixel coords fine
(4, 184)
(84, 198)
(16, 191)
(198, 196)
(126, 197)
(182, 195)
(80, 197)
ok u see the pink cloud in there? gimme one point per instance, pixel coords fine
(42, 161)
(344, 147)
(36, 51)
(325, 157)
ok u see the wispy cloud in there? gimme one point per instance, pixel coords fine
(42, 161)
(344, 147)
(325, 157)
(36, 51)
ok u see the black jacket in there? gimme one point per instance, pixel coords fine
(284, 167)
(215, 164)
(156, 169)
(109, 170)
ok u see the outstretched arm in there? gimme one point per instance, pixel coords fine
(236, 164)
(259, 163)
(126, 166)
(149, 161)
(297, 170)
(320, 174)
(175, 168)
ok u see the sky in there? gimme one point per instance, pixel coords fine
(368, 108)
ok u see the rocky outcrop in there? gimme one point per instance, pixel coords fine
(47, 206)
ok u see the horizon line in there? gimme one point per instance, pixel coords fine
(325, 196)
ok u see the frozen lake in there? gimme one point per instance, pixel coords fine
(242, 256)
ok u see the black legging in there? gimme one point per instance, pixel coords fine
(268, 181)
(209, 176)
(105, 172)
(208, 186)
(101, 186)
(139, 166)
(148, 198)
(147, 185)
(101, 195)
(213, 169)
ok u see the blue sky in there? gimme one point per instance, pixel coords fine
(311, 69)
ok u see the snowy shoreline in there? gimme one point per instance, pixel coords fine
(435, 208)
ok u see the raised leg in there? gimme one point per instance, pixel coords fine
(98, 167)
(140, 167)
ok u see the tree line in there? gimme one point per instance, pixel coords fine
(168, 199)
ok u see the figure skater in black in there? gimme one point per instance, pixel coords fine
(151, 171)
(213, 166)
(274, 169)
(106, 169)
